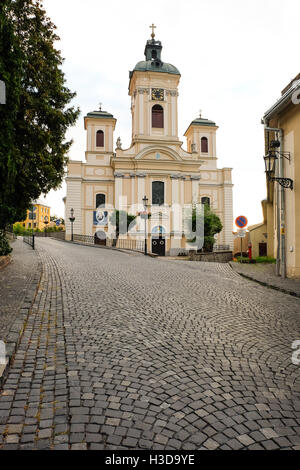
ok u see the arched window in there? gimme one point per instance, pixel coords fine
(204, 145)
(154, 54)
(100, 200)
(157, 116)
(206, 201)
(100, 139)
(158, 192)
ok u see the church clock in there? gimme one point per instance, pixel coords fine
(157, 94)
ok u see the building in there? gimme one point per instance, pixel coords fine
(282, 207)
(154, 165)
(36, 217)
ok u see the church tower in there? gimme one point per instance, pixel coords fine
(153, 86)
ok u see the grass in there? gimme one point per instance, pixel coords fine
(258, 259)
(265, 259)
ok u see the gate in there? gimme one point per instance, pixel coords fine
(159, 246)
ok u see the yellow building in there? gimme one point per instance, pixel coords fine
(36, 216)
(155, 165)
(282, 208)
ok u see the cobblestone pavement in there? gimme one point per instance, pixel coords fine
(129, 352)
(265, 274)
(14, 281)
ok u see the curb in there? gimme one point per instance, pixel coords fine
(265, 284)
(4, 261)
(14, 336)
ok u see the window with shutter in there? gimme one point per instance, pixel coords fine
(204, 145)
(100, 139)
(157, 116)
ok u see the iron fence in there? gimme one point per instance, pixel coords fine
(29, 239)
(221, 248)
(9, 232)
(59, 234)
(123, 244)
(133, 245)
(85, 239)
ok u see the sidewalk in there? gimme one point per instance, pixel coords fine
(15, 280)
(265, 275)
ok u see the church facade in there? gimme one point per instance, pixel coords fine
(155, 166)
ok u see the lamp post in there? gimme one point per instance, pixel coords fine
(46, 222)
(145, 202)
(71, 219)
(32, 228)
(270, 169)
(270, 164)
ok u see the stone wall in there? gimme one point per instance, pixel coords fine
(216, 257)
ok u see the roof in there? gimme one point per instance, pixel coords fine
(38, 202)
(203, 122)
(99, 115)
(154, 66)
(284, 100)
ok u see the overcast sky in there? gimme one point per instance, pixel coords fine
(234, 57)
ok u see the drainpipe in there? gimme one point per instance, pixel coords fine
(280, 257)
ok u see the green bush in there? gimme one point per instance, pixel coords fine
(5, 248)
(265, 259)
(18, 229)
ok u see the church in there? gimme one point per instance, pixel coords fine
(155, 165)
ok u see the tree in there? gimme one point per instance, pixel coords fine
(36, 116)
(212, 226)
(121, 221)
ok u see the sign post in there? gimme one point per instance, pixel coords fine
(241, 222)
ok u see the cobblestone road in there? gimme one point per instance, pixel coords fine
(126, 352)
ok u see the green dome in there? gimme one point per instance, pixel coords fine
(203, 122)
(155, 66)
(153, 62)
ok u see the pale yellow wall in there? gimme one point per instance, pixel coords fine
(258, 234)
(289, 121)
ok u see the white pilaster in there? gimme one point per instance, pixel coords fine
(141, 112)
(118, 190)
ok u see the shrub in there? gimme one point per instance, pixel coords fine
(5, 248)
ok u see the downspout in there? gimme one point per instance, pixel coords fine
(280, 256)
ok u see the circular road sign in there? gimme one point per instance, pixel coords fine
(241, 221)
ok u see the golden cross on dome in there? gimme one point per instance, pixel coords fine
(100, 106)
(200, 113)
(153, 34)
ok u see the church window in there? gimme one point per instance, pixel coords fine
(100, 200)
(204, 145)
(158, 192)
(206, 201)
(157, 116)
(154, 54)
(100, 139)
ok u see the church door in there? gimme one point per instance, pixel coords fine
(100, 238)
(158, 246)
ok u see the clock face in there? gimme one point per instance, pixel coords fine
(157, 94)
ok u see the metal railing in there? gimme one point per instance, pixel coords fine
(221, 248)
(59, 234)
(123, 244)
(85, 239)
(133, 245)
(29, 239)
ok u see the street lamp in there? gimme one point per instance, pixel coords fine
(145, 202)
(46, 222)
(71, 219)
(270, 165)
